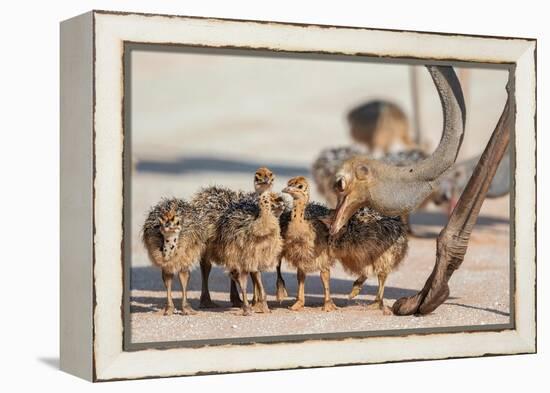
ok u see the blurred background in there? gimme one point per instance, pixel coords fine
(201, 117)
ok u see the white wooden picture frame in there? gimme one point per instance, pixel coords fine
(92, 194)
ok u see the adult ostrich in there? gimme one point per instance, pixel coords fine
(399, 190)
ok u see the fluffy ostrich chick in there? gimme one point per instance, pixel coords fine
(306, 241)
(169, 234)
(248, 242)
(368, 244)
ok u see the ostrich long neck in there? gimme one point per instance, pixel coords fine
(298, 211)
(265, 207)
(259, 190)
(454, 120)
(266, 222)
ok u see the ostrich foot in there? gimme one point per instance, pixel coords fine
(247, 311)
(408, 305)
(434, 298)
(168, 310)
(299, 305)
(329, 306)
(379, 305)
(281, 291)
(424, 302)
(354, 292)
(188, 310)
(261, 307)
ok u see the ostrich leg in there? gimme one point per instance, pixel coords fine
(452, 242)
(281, 287)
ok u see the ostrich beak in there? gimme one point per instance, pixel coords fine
(287, 190)
(262, 181)
(344, 210)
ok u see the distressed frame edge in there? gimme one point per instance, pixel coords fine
(525, 161)
(305, 24)
(528, 339)
(76, 196)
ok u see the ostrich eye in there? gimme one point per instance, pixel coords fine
(340, 184)
(361, 172)
(301, 186)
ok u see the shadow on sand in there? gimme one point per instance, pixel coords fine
(185, 165)
(439, 220)
(149, 279)
(488, 309)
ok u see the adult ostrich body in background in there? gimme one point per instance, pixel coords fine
(398, 190)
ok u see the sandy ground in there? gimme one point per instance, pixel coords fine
(479, 293)
(199, 120)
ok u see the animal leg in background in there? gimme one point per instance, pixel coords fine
(357, 285)
(206, 301)
(241, 278)
(261, 299)
(281, 287)
(452, 242)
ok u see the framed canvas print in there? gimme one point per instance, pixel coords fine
(246, 195)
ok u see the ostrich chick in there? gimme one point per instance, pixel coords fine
(306, 241)
(263, 181)
(168, 234)
(249, 241)
(209, 204)
(370, 243)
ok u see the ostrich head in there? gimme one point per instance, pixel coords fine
(263, 180)
(298, 189)
(398, 190)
